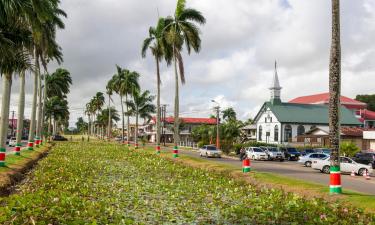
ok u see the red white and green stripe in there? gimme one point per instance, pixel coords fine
(246, 165)
(158, 149)
(175, 152)
(136, 145)
(17, 149)
(37, 141)
(335, 180)
(2, 156)
(30, 145)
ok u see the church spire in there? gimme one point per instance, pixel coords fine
(276, 88)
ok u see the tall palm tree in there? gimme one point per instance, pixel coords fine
(20, 116)
(109, 88)
(334, 99)
(98, 102)
(229, 114)
(88, 111)
(156, 43)
(58, 83)
(179, 30)
(140, 106)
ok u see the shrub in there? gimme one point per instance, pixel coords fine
(348, 148)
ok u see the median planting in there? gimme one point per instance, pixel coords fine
(104, 183)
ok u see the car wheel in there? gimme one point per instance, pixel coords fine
(308, 164)
(361, 171)
(200, 154)
(326, 169)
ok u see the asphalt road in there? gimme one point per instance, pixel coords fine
(294, 170)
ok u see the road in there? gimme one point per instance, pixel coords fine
(294, 170)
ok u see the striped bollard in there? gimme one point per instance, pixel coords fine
(30, 145)
(246, 165)
(37, 142)
(17, 149)
(41, 141)
(2, 157)
(128, 144)
(335, 180)
(136, 145)
(175, 152)
(158, 149)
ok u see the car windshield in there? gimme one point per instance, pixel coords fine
(325, 158)
(309, 151)
(211, 148)
(272, 149)
(292, 150)
(257, 150)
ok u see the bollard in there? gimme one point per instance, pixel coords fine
(335, 180)
(246, 165)
(2, 157)
(136, 145)
(175, 152)
(158, 149)
(367, 175)
(17, 149)
(30, 145)
(37, 141)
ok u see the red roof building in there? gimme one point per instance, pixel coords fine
(323, 98)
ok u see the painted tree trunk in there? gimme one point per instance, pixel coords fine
(20, 116)
(128, 121)
(157, 105)
(50, 126)
(30, 144)
(176, 110)
(136, 131)
(43, 132)
(7, 83)
(109, 129)
(39, 113)
(334, 100)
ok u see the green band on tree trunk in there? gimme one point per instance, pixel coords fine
(335, 168)
(335, 190)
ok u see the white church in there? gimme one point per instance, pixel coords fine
(278, 122)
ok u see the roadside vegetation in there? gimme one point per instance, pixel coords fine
(105, 183)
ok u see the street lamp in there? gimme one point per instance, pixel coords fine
(217, 108)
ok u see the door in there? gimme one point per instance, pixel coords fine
(346, 165)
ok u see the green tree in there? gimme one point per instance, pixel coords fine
(81, 125)
(229, 114)
(109, 92)
(335, 91)
(369, 99)
(141, 106)
(179, 30)
(348, 148)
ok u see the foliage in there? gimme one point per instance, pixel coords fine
(348, 148)
(369, 99)
(229, 114)
(81, 125)
(101, 183)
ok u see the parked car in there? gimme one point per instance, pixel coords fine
(323, 150)
(365, 158)
(290, 153)
(307, 160)
(273, 153)
(256, 153)
(59, 138)
(347, 165)
(12, 142)
(307, 151)
(209, 151)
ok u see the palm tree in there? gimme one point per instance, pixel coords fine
(98, 101)
(334, 100)
(58, 83)
(156, 43)
(109, 88)
(229, 114)
(108, 116)
(179, 30)
(140, 106)
(88, 112)
(21, 111)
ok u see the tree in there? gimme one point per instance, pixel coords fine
(58, 110)
(109, 88)
(58, 83)
(179, 30)
(334, 100)
(155, 42)
(229, 114)
(369, 99)
(81, 125)
(97, 103)
(140, 106)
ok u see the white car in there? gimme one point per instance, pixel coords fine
(274, 153)
(12, 142)
(256, 153)
(347, 165)
(307, 160)
(209, 151)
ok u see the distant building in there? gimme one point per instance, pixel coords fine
(185, 133)
(280, 123)
(250, 131)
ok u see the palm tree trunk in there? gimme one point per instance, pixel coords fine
(7, 84)
(176, 108)
(123, 119)
(157, 106)
(109, 118)
(44, 109)
(21, 111)
(50, 126)
(39, 113)
(128, 121)
(136, 130)
(334, 100)
(33, 110)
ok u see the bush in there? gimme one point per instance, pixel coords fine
(348, 148)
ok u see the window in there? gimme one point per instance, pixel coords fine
(271, 119)
(300, 130)
(276, 133)
(260, 133)
(287, 133)
(265, 119)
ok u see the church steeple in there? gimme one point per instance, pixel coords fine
(276, 88)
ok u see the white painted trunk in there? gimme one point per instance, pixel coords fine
(39, 111)
(4, 122)
(21, 108)
(34, 104)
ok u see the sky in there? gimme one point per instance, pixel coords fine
(240, 43)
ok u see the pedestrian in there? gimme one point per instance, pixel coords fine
(242, 153)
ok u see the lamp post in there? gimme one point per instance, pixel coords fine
(217, 108)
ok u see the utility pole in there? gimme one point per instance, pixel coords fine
(12, 123)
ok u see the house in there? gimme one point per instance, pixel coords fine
(280, 123)
(250, 131)
(187, 125)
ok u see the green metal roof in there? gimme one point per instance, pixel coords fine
(308, 113)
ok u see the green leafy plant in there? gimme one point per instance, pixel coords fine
(348, 148)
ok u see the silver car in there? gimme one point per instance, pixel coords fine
(307, 160)
(274, 153)
(209, 151)
(256, 153)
